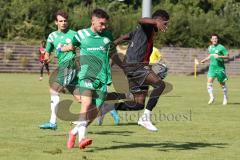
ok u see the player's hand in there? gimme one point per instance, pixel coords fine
(161, 25)
(67, 48)
(215, 56)
(46, 61)
(46, 57)
(202, 61)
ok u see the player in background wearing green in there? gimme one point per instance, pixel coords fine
(217, 54)
(65, 73)
(95, 46)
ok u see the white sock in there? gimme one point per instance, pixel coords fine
(82, 128)
(147, 112)
(74, 131)
(146, 115)
(54, 105)
(210, 89)
(225, 91)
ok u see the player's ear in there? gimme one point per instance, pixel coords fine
(56, 22)
(93, 20)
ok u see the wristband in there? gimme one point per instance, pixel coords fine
(59, 49)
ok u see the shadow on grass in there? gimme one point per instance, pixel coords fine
(53, 151)
(164, 146)
(234, 103)
(173, 96)
(117, 133)
(122, 124)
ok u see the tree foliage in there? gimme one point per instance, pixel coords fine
(191, 21)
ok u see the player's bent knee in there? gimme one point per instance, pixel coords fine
(209, 85)
(78, 98)
(139, 107)
(160, 84)
(53, 92)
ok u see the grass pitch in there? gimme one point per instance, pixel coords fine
(189, 129)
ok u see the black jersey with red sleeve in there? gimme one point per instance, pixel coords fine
(141, 45)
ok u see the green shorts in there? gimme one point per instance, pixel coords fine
(219, 74)
(65, 74)
(99, 90)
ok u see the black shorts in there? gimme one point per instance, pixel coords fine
(136, 77)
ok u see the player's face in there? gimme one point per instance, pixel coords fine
(214, 40)
(99, 24)
(62, 23)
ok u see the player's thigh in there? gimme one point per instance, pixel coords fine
(153, 79)
(222, 77)
(85, 87)
(86, 101)
(210, 79)
(55, 87)
(92, 98)
(211, 75)
(96, 92)
(65, 74)
(46, 65)
(74, 89)
(77, 96)
(99, 95)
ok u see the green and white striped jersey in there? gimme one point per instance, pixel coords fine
(221, 51)
(94, 54)
(59, 39)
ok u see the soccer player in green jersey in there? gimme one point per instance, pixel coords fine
(95, 74)
(217, 54)
(66, 72)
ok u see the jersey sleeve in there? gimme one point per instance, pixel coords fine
(49, 46)
(76, 40)
(208, 50)
(109, 35)
(131, 34)
(224, 51)
(147, 28)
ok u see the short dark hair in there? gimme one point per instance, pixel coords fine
(99, 13)
(214, 34)
(161, 13)
(61, 13)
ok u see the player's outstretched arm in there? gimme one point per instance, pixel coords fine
(121, 38)
(224, 57)
(46, 57)
(159, 23)
(205, 59)
(115, 59)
